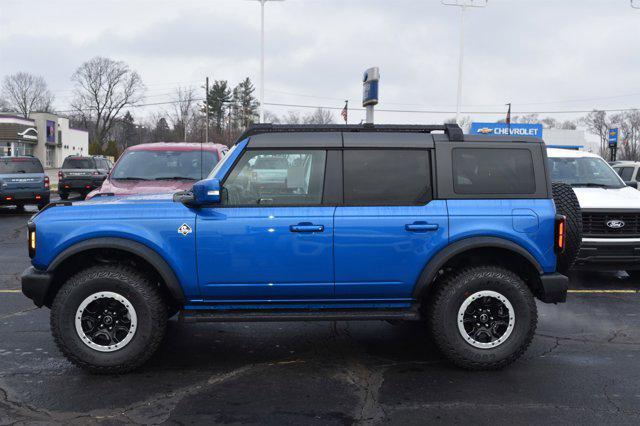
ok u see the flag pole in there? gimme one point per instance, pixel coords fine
(509, 118)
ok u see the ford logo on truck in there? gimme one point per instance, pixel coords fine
(615, 224)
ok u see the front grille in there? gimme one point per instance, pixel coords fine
(595, 224)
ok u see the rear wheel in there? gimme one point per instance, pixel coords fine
(63, 196)
(108, 319)
(567, 205)
(483, 318)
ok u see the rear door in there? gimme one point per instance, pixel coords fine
(390, 225)
(272, 237)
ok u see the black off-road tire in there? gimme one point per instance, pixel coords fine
(449, 297)
(567, 205)
(146, 299)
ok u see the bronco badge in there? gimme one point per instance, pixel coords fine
(184, 229)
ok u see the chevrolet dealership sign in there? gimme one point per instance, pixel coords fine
(506, 129)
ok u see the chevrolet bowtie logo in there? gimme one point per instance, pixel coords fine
(485, 130)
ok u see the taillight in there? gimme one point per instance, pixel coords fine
(561, 233)
(60, 174)
(31, 227)
(46, 182)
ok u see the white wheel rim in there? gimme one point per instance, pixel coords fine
(123, 310)
(471, 337)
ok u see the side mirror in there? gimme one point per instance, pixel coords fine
(632, 184)
(207, 191)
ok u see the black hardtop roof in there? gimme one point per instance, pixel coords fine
(442, 132)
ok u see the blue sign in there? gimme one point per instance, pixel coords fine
(370, 93)
(517, 129)
(613, 138)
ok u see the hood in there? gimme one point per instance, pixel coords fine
(131, 187)
(626, 198)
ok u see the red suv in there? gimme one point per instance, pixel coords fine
(160, 168)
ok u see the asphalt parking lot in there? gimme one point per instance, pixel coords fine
(581, 368)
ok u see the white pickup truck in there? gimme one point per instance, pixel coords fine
(610, 211)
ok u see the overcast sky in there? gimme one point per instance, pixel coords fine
(540, 55)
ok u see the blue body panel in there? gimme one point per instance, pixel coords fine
(151, 220)
(528, 223)
(252, 253)
(377, 256)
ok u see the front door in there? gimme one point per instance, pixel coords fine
(390, 227)
(272, 238)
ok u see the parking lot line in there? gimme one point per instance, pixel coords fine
(10, 291)
(605, 291)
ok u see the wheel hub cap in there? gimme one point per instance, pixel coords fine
(486, 319)
(106, 321)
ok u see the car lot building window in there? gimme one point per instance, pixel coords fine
(276, 177)
(387, 177)
(493, 171)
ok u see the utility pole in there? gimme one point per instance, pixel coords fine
(463, 5)
(206, 109)
(262, 3)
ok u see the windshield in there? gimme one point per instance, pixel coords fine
(218, 166)
(78, 163)
(158, 165)
(11, 166)
(585, 171)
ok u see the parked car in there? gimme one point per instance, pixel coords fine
(628, 171)
(82, 174)
(160, 168)
(372, 223)
(22, 182)
(610, 211)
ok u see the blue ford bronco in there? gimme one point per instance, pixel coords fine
(323, 223)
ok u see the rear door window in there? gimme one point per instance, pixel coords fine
(486, 171)
(78, 163)
(387, 177)
(20, 165)
(626, 173)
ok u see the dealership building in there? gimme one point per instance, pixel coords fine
(553, 138)
(43, 135)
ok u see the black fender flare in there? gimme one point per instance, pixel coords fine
(151, 256)
(436, 263)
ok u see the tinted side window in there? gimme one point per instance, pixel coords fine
(493, 171)
(387, 177)
(277, 177)
(626, 173)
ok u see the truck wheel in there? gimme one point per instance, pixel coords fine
(63, 196)
(567, 205)
(108, 319)
(483, 318)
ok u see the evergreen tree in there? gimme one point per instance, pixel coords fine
(129, 136)
(218, 97)
(162, 132)
(246, 104)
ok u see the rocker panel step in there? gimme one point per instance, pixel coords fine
(300, 315)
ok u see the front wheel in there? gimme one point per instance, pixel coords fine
(483, 318)
(108, 319)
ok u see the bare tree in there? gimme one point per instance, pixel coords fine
(23, 93)
(598, 123)
(320, 116)
(628, 123)
(464, 122)
(103, 88)
(184, 103)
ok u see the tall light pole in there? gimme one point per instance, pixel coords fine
(463, 5)
(262, 3)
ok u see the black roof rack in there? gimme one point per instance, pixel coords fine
(453, 131)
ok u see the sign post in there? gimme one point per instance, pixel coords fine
(613, 143)
(370, 91)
